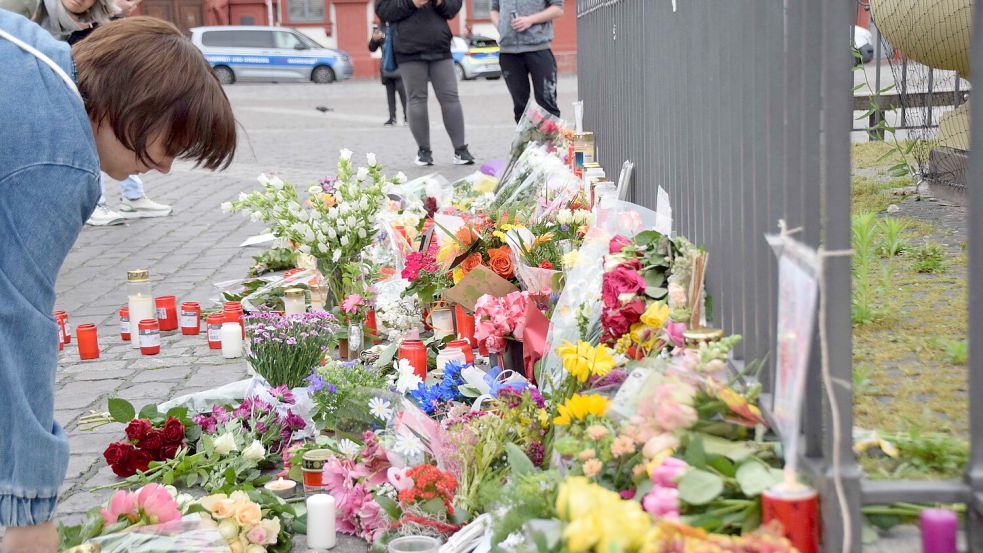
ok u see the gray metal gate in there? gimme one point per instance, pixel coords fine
(742, 111)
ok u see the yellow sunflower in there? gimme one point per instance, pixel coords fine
(583, 360)
(579, 407)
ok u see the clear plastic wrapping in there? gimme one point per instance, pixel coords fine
(192, 534)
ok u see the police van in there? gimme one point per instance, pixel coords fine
(270, 54)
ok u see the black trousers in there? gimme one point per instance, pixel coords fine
(392, 87)
(518, 69)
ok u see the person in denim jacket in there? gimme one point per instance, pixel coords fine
(149, 97)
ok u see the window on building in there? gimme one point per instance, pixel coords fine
(480, 9)
(306, 11)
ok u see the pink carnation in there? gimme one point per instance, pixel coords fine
(662, 503)
(617, 244)
(352, 303)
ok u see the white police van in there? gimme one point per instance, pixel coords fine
(255, 53)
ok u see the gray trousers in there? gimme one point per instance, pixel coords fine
(441, 73)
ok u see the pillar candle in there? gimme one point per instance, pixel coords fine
(939, 528)
(320, 521)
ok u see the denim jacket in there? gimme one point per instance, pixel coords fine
(49, 185)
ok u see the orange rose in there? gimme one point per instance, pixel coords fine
(465, 235)
(500, 261)
(470, 262)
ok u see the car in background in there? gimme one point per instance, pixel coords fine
(270, 54)
(863, 41)
(475, 56)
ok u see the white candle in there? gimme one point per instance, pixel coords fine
(281, 487)
(443, 322)
(231, 340)
(294, 302)
(320, 521)
(141, 308)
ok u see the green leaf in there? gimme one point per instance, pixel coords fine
(695, 454)
(699, 487)
(434, 507)
(735, 451)
(752, 518)
(389, 506)
(755, 477)
(149, 412)
(191, 480)
(178, 412)
(656, 293)
(121, 410)
(722, 465)
(520, 463)
(168, 478)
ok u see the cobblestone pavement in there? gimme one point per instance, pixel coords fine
(283, 133)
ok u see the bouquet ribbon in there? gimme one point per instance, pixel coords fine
(534, 338)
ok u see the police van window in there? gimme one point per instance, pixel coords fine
(238, 39)
(288, 41)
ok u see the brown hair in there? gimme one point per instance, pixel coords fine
(144, 78)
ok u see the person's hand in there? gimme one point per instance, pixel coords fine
(126, 7)
(40, 538)
(522, 23)
(420, 3)
(377, 35)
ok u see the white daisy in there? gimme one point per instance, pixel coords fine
(380, 408)
(348, 447)
(408, 445)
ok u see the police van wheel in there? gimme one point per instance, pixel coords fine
(323, 75)
(459, 71)
(225, 75)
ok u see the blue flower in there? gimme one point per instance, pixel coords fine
(427, 397)
(316, 382)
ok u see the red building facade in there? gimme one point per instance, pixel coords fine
(343, 24)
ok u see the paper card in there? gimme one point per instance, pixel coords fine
(663, 213)
(797, 294)
(257, 240)
(480, 281)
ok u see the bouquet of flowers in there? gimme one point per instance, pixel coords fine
(153, 436)
(434, 398)
(335, 224)
(500, 319)
(241, 522)
(424, 501)
(427, 277)
(396, 311)
(284, 348)
(351, 479)
(538, 126)
(337, 384)
(257, 423)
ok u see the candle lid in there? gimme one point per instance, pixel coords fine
(139, 275)
(586, 136)
(317, 455)
(293, 293)
(702, 334)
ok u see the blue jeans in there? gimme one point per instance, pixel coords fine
(34, 242)
(131, 187)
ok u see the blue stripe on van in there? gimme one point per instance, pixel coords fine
(217, 59)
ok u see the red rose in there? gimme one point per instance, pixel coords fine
(169, 451)
(139, 460)
(617, 322)
(621, 280)
(617, 244)
(173, 431)
(117, 452)
(544, 264)
(138, 428)
(153, 441)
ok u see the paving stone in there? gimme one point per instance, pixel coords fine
(94, 366)
(154, 362)
(65, 416)
(167, 374)
(80, 462)
(82, 501)
(92, 444)
(121, 374)
(78, 395)
(156, 391)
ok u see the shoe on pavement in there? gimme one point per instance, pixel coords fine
(143, 207)
(462, 156)
(103, 216)
(424, 157)
(390, 122)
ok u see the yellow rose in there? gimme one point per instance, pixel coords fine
(223, 509)
(208, 502)
(248, 514)
(581, 534)
(237, 547)
(656, 315)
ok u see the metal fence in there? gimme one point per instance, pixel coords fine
(742, 110)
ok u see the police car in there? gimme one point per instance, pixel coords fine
(474, 57)
(255, 53)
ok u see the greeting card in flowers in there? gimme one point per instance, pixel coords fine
(479, 281)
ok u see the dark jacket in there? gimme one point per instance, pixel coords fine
(375, 45)
(422, 34)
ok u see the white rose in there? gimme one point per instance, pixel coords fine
(370, 158)
(228, 529)
(346, 154)
(275, 182)
(400, 178)
(362, 173)
(226, 207)
(225, 444)
(255, 451)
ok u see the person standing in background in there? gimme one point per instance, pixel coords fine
(526, 29)
(423, 53)
(392, 81)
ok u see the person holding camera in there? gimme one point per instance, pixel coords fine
(391, 79)
(422, 47)
(526, 37)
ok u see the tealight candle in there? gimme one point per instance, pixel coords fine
(320, 521)
(281, 488)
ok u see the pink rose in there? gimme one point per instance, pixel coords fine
(622, 280)
(667, 474)
(122, 503)
(674, 333)
(258, 535)
(157, 504)
(495, 344)
(662, 503)
(617, 244)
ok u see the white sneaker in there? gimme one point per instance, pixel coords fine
(103, 216)
(143, 207)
